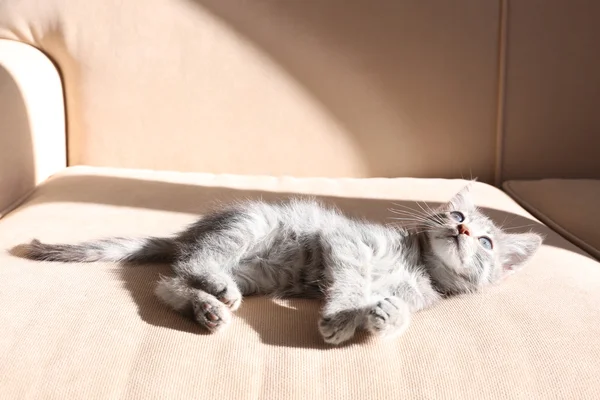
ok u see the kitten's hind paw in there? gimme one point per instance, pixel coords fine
(338, 328)
(211, 313)
(231, 297)
(389, 317)
(221, 286)
(207, 309)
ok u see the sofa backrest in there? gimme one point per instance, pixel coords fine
(493, 89)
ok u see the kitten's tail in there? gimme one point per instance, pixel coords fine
(116, 249)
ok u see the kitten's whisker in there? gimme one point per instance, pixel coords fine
(519, 227)
(512, 219)
(417, 227)
(415, 222)
(417, 215)
(420, 227)
(406, 212)
(420, 206)
(412, 217)
(503, 222)
(432, 213)
(429, 213)
(411, 209)
(431, 210)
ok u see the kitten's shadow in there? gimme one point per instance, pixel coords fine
(287, 323)
(140, 281)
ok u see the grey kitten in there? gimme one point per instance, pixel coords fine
(371, 276)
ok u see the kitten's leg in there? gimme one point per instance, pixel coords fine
(217, 283)
(350, 302)
(207, 310)
(212, 251)
(388, 317)
(208, 264)
(345, 302)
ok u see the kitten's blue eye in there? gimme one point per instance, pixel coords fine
(486, 242)
(457, 216)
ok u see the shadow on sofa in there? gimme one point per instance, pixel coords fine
(384, 88)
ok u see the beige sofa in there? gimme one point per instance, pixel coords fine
(132, 118)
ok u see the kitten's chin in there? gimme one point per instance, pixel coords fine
(447, 248)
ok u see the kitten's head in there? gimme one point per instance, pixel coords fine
(466, 251)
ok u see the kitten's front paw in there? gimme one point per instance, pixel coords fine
(389, 317)
(211, 313)
(338, 328)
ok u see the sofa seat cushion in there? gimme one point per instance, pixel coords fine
(83, 331)
(569, 206)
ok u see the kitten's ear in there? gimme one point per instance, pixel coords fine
(463, 200)
(517, 249)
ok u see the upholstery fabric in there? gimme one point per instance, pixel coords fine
(32, 121)
(379, 88)
(96, 331)
(304, 88)
(569, 206)
(551, 118)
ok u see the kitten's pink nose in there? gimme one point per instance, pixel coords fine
(462, 229)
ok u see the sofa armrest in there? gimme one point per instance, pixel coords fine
(32, 122)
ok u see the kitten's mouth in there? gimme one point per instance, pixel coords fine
(455, 239)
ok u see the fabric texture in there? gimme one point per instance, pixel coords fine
(551, 120)
(304, 88)
(32, 121)
(96, 330)
(569, 206)
(364, 87)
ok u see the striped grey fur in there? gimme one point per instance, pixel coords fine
(371, 276)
